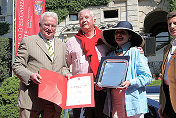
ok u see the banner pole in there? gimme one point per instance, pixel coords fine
(13, 34)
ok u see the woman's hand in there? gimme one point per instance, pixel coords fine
(125, 85)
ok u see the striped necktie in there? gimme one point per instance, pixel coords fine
(50, 49)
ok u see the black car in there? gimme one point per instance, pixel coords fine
(153, 105)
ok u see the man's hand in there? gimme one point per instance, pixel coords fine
(35, 77)
(160, 112)
(141, 50)
(98, 88)
(68, 76)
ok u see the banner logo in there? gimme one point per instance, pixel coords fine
(38, 7)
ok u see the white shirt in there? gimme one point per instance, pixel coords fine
(173, 43)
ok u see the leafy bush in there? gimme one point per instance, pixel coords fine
(5, 58)
(8, 98)
(172, 5)
(64, 7)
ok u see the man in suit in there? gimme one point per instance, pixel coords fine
(167, 107)
(32, 55)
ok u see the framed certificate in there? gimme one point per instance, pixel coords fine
(112, 71)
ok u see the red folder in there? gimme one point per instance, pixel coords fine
(76, 92)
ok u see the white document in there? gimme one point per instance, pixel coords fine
(79, 91)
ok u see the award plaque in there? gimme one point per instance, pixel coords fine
(112, 71)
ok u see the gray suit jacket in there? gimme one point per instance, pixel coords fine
(32, 55)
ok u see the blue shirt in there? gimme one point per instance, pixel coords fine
(139, 76)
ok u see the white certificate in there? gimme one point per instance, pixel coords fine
(79, 91)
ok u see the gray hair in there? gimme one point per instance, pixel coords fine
(52, 14)
(171, 15)
(91, 13)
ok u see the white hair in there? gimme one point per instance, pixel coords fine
(52, 14)
(91, 13)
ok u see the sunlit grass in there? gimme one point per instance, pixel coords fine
(155, 83)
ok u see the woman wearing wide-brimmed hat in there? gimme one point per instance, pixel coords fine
(130, 99)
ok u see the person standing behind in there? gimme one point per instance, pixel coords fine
(167, 107)
(129, 100)
(36, 52)
(84, 50)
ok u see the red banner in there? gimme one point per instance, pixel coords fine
(28, 13)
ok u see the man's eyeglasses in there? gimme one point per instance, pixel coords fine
(48, 25)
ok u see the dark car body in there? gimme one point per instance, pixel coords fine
(153, 105)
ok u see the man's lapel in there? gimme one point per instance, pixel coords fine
(166, 52)
(42, 45)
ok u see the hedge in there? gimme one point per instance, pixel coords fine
(8, 98)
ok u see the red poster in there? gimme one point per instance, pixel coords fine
(28, 13)
(76, 92)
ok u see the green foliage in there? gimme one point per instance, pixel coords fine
(172, 5)
(4, 28)
(5, 58)
(8, 98)
(64, 7)
(62, 13)
(155, 83)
